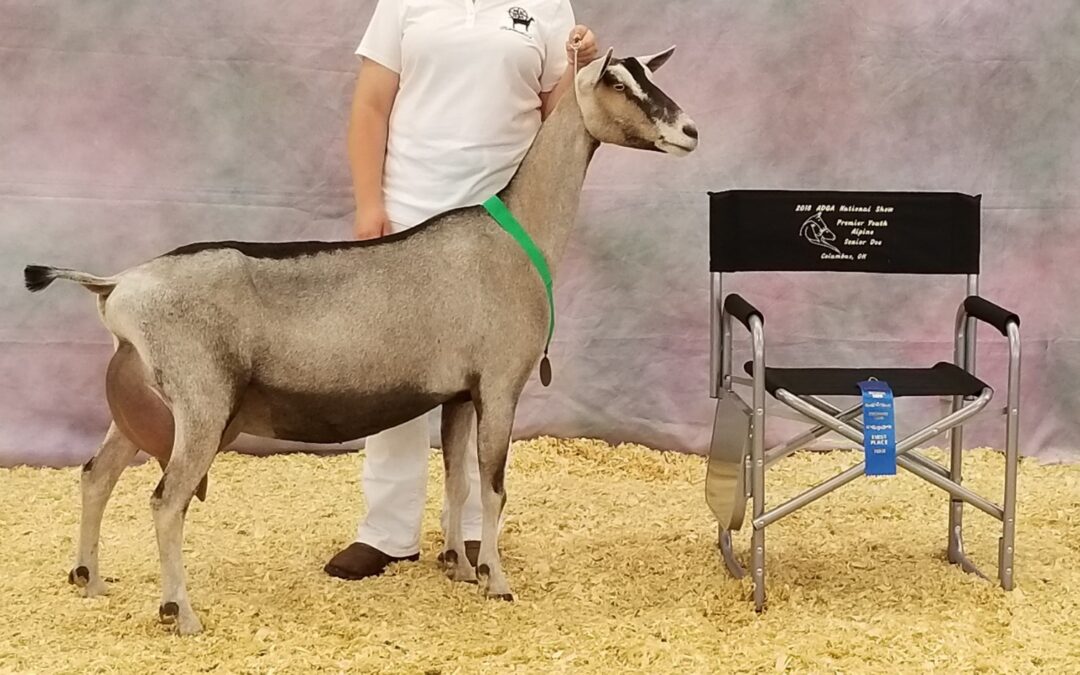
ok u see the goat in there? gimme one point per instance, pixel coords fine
(215, 339)
(519, 16)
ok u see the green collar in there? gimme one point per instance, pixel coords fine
(499, 211)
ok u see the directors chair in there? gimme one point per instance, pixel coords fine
(934, 233)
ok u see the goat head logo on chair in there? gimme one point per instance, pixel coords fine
(815, 231)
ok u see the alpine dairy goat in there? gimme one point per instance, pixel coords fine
(215, 339)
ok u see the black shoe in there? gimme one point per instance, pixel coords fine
(360, 561)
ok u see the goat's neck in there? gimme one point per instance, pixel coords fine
(545, 192)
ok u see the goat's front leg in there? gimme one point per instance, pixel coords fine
(99, 477)
(456, 425)
(199, 430)
(494, 425)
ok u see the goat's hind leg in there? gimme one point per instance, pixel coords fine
(98, 479)
(201, 417)
(494, 425)
(456, 425)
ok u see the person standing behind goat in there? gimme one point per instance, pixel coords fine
(449, 97)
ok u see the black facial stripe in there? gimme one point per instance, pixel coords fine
(656, 104)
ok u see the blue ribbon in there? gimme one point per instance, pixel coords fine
(879, 428)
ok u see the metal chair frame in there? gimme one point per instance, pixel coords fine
(828, 418)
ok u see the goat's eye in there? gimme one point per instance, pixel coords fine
(619, 86)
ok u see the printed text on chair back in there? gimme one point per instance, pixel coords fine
(819, 231)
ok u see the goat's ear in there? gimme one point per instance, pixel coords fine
(656, 60)
(603, 66)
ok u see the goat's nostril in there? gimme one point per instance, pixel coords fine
(690, 130)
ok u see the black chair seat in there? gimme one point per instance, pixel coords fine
(944, 379)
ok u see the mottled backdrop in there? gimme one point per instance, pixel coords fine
(128, 127)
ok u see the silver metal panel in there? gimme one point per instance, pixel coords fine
(725, 477)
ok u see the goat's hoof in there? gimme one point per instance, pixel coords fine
(189, 625)
(455, 568)
(168, 612)
(463, 573)
(493, 587)
(95, 588)
(186, 621)
(448, 559)
(80, 576)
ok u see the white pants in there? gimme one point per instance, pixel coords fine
(394, 482)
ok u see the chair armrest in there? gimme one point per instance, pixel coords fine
(738, 307)
(986, 311)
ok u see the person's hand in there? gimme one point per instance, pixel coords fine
(587, 50)
(371, 222)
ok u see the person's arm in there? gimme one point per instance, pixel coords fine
(376, 89)
(369, 120)
(587, 53)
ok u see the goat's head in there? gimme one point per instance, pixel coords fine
(621, 105)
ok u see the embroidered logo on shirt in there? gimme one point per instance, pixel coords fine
(520, 17)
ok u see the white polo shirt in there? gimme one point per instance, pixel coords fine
(468, 105)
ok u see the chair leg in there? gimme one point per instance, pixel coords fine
(1007, 544)
(956, 553)
(757, 543)
(757, 460)
(758, 563)
(956, 506)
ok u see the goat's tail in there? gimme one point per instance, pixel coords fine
(38, 278)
